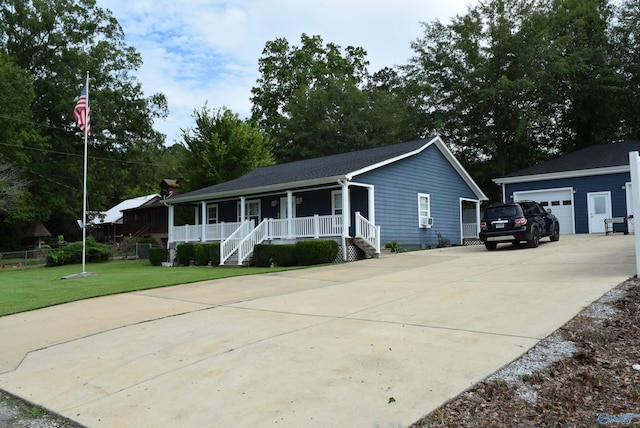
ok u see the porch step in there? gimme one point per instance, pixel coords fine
(369, 250)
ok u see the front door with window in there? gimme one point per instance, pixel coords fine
(598, 209)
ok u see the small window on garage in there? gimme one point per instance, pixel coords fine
(544, 204)
(555, 203)
(566, 202)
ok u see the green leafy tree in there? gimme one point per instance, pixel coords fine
(318, 99)
(626, 37)
(222, 147)
(56, 42)
(511, 83)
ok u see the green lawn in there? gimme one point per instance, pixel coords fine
(24, 289)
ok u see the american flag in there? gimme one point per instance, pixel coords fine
(81, 112)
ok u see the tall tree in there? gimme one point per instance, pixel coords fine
(318, 99)
(221, 147)
(57, 42)
(626, 38)
(475, 78)
(511, 83)
(585, 76)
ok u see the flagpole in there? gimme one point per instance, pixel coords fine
(84, 191)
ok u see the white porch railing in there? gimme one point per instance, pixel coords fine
(231, 244)
(212, 232)
(255, 237)
(368, 231)
(469, 230)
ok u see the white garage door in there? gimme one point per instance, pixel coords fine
(559, 201)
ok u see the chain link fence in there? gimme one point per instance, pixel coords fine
(23, 258)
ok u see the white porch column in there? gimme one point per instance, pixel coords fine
(346, 208)
(478, 218)
(371, 205)
(203, 225)
(346, 218)
(171, 221)
(634, 165)
(243, 214)
(290, 204)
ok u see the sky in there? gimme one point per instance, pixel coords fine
(207, 51)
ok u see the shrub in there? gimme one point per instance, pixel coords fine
(185, 254)
(316, 252)
(72, 253)
(280, 255)
(393, 246)
(205, 253)
(158, 255)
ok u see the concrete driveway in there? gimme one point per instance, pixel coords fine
(376, 343)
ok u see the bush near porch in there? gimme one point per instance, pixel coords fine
(303, 253)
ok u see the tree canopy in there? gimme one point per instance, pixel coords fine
(220, 148)
(317, 99)
(53, 44)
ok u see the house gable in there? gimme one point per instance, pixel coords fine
(319, 171)
(397, 186)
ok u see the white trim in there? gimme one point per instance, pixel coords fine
(371, 199)
(562, 174)
(424, 222)
(477, 203)
(208, 216)
(437, 141)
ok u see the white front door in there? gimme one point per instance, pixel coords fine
(598, 209)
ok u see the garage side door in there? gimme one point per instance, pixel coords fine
(559, 201)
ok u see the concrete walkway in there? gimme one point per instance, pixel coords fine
(376, 343)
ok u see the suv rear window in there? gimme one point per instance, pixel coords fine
(498, 212)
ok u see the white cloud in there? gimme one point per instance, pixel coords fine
(202, 50)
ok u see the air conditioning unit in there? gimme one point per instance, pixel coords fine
(427, 222)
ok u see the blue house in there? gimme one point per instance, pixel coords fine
(582, 188)
(409, 192)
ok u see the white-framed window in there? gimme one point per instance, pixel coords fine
(251, 210)
(212, 213)
(424, 210)
(336, 202)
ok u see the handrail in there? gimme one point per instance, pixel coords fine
(255, 237)
(368, 231)
(230, 245)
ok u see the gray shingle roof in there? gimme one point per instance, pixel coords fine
(317, 169)
(596, 156)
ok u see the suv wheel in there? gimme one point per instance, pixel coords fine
(535, 238)
(556, 232)
(490, 246)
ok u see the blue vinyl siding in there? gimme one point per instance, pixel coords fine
(582, 186)
(396, 198)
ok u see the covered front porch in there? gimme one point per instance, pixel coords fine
(312, 213)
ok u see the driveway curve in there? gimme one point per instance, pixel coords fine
(375, 343)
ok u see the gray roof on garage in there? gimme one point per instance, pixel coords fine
(596, 156)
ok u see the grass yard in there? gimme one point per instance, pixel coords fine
(24, 289)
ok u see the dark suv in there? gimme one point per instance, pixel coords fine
(516, 222)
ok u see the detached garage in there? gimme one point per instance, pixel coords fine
(582, 188)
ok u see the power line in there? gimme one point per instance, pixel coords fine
(79, 155)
